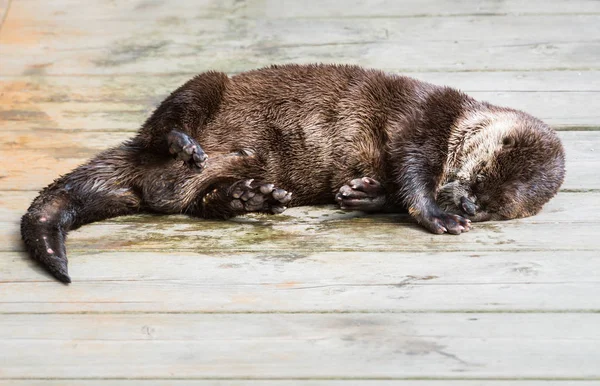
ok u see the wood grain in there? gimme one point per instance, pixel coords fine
(564, 99)
(284, 382)
(363, 346)
(314, 297)
(306, 282)
(413, 8)
(32, 159)
(566, 207)
(369, 234)
(115, 46)
(4, 5)
(290, 9)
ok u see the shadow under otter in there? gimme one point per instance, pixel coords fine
(297, 135)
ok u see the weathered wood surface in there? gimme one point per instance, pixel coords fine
(315, 296)
(307, 230)
(566, 208)
(308, 382)
(313, 259)
(3, 11)
(32, 159)
(291, 9)
(566, 99)
(296, 346)
(369, 234)
(80, 43)
(178, 282)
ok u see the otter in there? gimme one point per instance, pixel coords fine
(292, 135)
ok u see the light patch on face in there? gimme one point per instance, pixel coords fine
(475, 140)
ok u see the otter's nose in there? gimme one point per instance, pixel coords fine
(468, 206)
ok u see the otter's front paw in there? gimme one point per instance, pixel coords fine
(251, 196)
(442, 222)
(364, 194)
(186, 149)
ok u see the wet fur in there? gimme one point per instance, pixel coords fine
(310, 130)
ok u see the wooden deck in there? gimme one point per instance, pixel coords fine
(315, 296)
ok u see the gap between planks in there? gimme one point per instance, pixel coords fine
(466, 311)
(310, 381)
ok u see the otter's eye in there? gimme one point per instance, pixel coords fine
(479, 178)
(508, 142)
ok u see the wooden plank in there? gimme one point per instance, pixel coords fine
(36, 45)
(305, 261)
(306, 270)
(412, 8)
(562, 98)
(566, 207)
(516, 81)
(155, 57)
(29, 89)
(3, 11)
(368, 233)
(297, 346)
(28, 161)
(228, 9)
(551, 107)
(130, 89)
(291, 282)
(33, 104)
(31, 163)
(283, 382)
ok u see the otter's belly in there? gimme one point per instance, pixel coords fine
(296, 157)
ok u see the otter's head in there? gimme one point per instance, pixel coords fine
(502, 164)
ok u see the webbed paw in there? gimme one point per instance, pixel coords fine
(364, 194)
(251, 196)
(185, 148)
(443, 222)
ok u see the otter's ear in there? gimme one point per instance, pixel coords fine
(508, 142)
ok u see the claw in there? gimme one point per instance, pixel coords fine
(200, 157)
(446, 223)
(278, 209)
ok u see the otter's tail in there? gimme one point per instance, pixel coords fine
(102, 188)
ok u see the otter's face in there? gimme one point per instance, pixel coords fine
(502, 165)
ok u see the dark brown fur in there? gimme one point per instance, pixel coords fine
(313, 131)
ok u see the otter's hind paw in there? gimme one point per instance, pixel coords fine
(185, 148)
(250, 196)
(443, 222)
(364, 194)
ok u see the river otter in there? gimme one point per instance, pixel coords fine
(294, 135)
